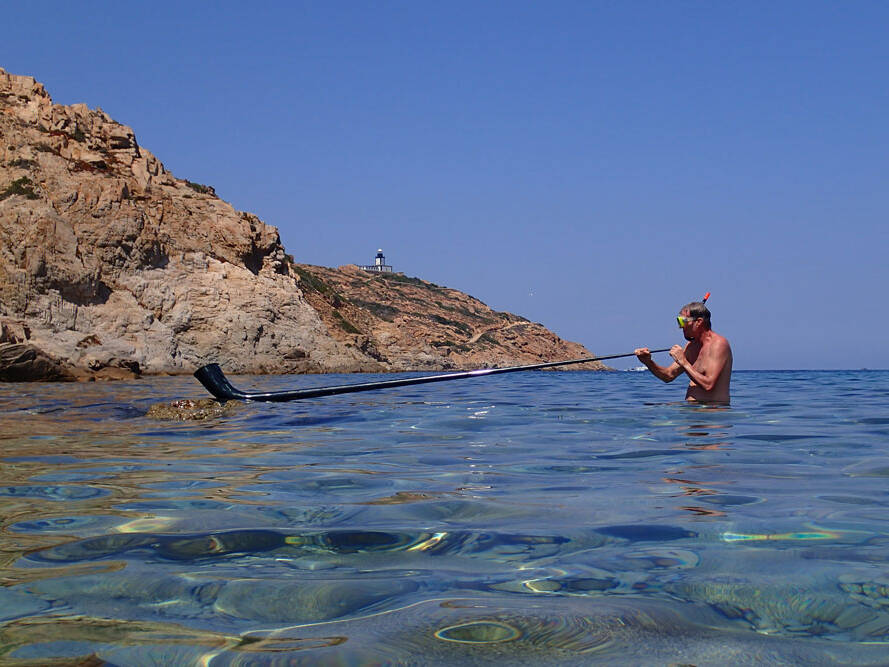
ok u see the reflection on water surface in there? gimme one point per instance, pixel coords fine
(563, 518)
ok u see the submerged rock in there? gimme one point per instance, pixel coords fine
(189, 410)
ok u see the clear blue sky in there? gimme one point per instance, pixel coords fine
(588, 165)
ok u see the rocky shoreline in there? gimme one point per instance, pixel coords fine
(112, 267)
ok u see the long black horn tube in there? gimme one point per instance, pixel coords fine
(212, 377)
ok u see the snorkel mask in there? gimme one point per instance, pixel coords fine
(684, 321)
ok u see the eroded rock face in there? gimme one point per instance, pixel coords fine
(108, 261)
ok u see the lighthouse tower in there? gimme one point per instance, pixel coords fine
(379, 265)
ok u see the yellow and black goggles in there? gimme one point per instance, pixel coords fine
(684, 321)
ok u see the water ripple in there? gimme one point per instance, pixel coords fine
(560, 518)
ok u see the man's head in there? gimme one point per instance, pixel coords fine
(694, 317)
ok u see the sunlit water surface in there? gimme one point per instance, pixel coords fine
(567, 518)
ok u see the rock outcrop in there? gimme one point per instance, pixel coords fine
(409, 324)
(110, 265)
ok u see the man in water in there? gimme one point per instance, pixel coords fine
(706, 359)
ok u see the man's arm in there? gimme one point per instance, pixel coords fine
(665, 373)
(708, 373)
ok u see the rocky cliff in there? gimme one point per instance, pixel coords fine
(110, 266)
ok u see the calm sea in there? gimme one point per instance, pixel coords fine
(540, 517)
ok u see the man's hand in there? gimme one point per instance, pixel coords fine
(643, 354)
(678, 354)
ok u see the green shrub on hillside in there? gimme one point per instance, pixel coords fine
(203, 189)
(345, 324)
(21, 163)
(20, 186)
(459, 326)
(381, 310)
(401, 278)
(488, 338)
(309, 281)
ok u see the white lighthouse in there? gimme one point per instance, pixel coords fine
(379, 265)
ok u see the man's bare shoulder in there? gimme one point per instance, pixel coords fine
(719, 347)
(719, 341)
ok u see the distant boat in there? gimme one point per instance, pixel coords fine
(636, 369)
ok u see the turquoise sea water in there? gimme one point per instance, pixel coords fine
(564, 518)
